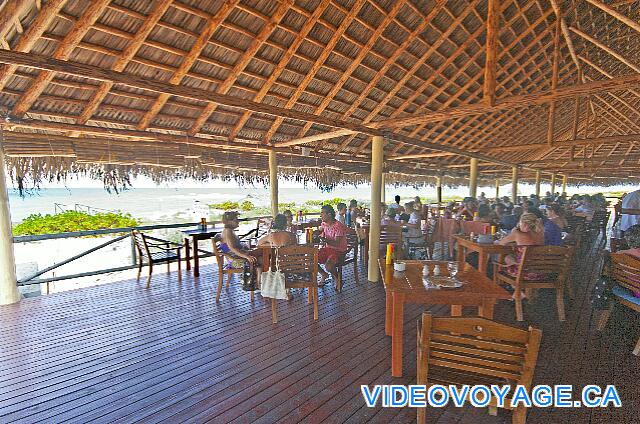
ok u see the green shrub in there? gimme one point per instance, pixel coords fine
(225, 206)
(246, 206)
(72, 221)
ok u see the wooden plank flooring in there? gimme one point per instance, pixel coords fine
(123, 353)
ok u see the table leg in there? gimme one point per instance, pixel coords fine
(196, 262)
(187, 254)
(486, 309)
(482, 262)
(397, 335)
(456, 310)
(388, 320)
(461, 252)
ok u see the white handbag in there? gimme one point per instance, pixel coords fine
(272, 282)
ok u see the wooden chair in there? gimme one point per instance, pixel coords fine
(540, 267)
(624, 269)
(300, 267)
(391, 234)
(158, 252)
(223, 269)
(443, 231)
(599, 222)
(457, 351)
(351, 257)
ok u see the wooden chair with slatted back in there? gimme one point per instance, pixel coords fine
(391, 234)
(300, 267)
(351, 257)
(225, 266)
(540, 267)
(624, 269)
(462, 350)
(153, 250)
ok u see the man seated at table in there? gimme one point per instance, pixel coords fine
(334, 237)
(632, 236)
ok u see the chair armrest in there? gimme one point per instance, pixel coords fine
(255, 230)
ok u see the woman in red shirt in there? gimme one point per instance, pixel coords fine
(334, 237)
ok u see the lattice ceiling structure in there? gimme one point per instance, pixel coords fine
(197, 87)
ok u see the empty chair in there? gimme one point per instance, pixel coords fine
(624, 272)
(443, 232)
(391, 234)
(350, 257)
(300, 267)
(459, 351)
(155, 250)
(539, 267)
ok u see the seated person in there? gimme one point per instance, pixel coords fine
(230, 244)
(413, 222)
(484, 214)
(556, 215)
(289, 217)
(389, 218)
(342, 212)
(509, 222)
(529, 232)
(279, 235)
(396, 204)
(334, 236)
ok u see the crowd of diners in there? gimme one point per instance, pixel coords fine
(531, 220)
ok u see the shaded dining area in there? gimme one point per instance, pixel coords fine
(285, 316)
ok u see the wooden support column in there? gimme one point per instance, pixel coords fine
(514, 184)
(493, 19)
(497, 189)
(273, 181)
(565, 179)
(553, 183)
(8, 287)
(538, 183)
(377, 148)
(383, 195)
(473, 177)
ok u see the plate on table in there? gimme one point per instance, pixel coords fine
(446, 282)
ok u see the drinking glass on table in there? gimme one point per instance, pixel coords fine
(452, 267)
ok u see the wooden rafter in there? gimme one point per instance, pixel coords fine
(607, 49)
(188, 61)
(125, 58)
(282, 64)
(63, 52)
(39, 25)
(242, 62)
(346, 21)
(619, 16)
(9, 14)
(554, 81)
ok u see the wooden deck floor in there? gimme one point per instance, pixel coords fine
(122, 353)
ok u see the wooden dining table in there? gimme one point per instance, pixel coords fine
(196, 235)
(466, 245)
(408, 287)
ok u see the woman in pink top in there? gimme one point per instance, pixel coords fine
(334, 236)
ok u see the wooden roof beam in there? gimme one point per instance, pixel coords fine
(63, 52)
(10, 12)
(206, 33)
(607, 49)
(125, 57)
(565, 33)
(282, 64)
(38, 26)
(241, 63)
(619, 16)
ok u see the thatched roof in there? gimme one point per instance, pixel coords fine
(203, 87)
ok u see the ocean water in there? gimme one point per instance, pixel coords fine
(164, 204)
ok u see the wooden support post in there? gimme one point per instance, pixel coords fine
(473, 177)
(497, 189)
(383, 195)
(377, 149)
(565, 179)
(553, 183)
(493, 19)
(8, 287)
(538, 183)
(273, 181)
(514, 184)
